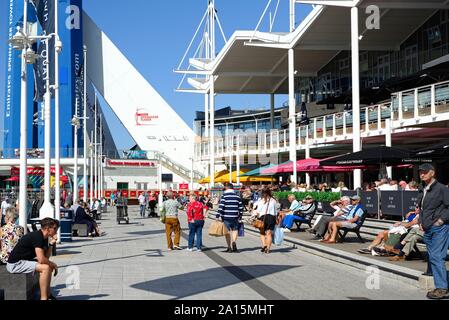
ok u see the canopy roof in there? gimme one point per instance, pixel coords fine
(257, 62)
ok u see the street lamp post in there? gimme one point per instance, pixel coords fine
(101, 157)
(58, 48)
(91, 166)
(76, 125)
(85, 125)
(47, 210)
(95, 151)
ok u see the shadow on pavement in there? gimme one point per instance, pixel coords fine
(189, 284)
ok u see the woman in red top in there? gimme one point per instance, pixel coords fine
(195, 216)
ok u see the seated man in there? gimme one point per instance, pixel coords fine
(82, 217)
(401, 228)
(406, 247)
(38, 245)
(342, 207)
(303, 213)
(294, 207)
(10, 234)
(352, 220)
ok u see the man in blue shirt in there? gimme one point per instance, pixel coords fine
(353, 218)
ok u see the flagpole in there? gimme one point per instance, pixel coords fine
(23, 131)
(85, 195)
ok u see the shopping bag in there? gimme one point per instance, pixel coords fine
(278, 236)
(217, 229)
(241, 230)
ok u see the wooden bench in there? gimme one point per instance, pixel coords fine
(355, 230)
(80, 230)
(17, 286)
(307, 220)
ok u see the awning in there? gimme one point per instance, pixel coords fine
(257, 172)
(308, 166)
(217, 175)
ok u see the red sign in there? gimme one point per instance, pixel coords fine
(146, 164)
(133, 194)
(108, 194)
(183, 186)
(81, 193)
(144, 118)
(38, 171)
(125, 194)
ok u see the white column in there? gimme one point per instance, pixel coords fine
(388, 143)
(57, 126)
(91, 165)
(86, 187)
(231, 155)
(159, 174)
(192, 188)
(292, 111)
(75, 153)
(101, 157)
(308, 179)
(95, 151)
(212, 131)
(206, 112)
(47, 210)
(272, 102)
(292, 15)
(356, 90)
(23, 132)
(238, 160)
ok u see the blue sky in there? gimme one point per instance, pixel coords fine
(154, 35)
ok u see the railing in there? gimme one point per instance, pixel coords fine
(407, 108)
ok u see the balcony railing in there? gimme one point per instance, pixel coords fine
(407, 108)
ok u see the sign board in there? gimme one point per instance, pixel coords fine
(130, 163)
(348, 193)
(410, 201)
(370, 201)
(391, 203)
(133, 194)
(183, 186)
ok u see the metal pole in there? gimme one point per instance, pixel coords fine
(160, 198)
(308, 179)
(206, 111)
(47, 210)
(85, 127)
(388, 143)
(272, 111)
(212, 132)
(95, 151)
(292, 15)
(101, 157)
(238, 160)
(57, 126)
(191, 176)
(292, 111)
(75, 153)
(231, 156)
(356, 90)
(23, 131)
(91, 165)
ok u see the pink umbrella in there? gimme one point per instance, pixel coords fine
(308, 165)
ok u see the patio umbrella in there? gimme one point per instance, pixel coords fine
(435, 152)
(217, 175)
(310, 166)
(381, 155)
(13, 179)
(257, 172)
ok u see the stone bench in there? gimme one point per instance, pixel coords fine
(80, 230)
(17, 286)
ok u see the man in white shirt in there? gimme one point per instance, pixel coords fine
(143, 204)
(5, 205)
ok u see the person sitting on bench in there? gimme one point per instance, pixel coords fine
(400, 229)
(37, 244)
(81, 217)
(10, 235)
(352, 221)
(303, 212)
(342, 207)
(294, 207)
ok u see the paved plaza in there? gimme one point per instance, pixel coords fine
(132, 263)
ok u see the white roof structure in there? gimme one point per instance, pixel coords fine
(151, 122)
(257, 62)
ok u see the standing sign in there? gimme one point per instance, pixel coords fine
(391, 203)
(370, 201)
(410, 201)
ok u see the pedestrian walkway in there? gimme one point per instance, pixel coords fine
(132, 263)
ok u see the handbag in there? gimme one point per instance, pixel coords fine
(241, 230)
(218, 229)
(260, 224)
